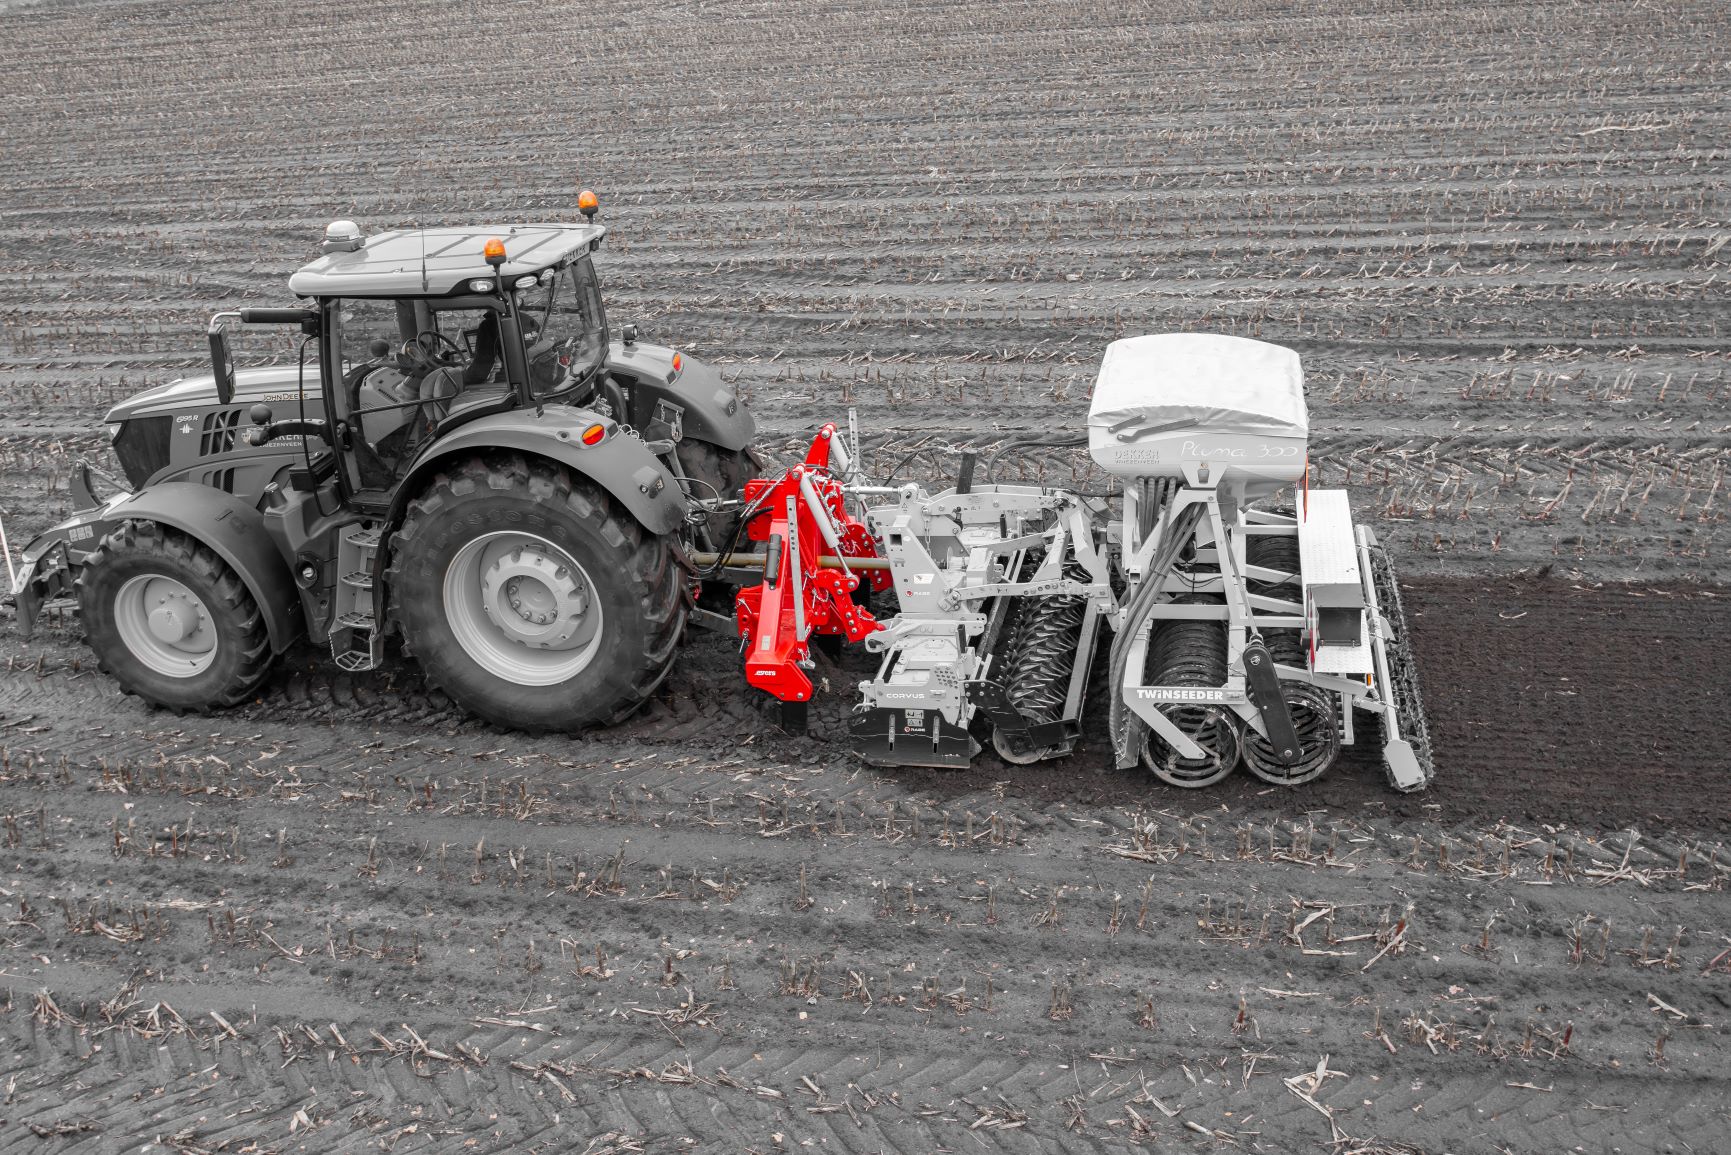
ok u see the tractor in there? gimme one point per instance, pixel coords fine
(464, 453)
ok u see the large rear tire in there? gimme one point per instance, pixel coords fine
(531, 598)
(170, 621)
(720, 473)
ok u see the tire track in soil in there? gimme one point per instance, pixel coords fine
(473, 874)
(1521, 676)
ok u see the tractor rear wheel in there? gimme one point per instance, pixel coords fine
(531, 598)
(718, 472)
(711, 472)
(170, 621)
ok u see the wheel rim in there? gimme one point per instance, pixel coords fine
(522, 608)
(165, 626)
(1213, 729)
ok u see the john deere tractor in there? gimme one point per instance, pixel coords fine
(463, 453)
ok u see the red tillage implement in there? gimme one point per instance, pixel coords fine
(808, 587)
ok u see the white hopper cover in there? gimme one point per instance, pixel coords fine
(1214, 383)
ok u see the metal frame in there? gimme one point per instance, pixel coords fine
(955, 554)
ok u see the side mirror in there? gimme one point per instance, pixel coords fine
(222, 365)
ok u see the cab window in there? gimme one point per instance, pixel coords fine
(564, 330)
(405, 362)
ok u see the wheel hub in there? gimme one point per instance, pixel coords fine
(534, 600)
(523, 609)
(165, 626)
(174, 619)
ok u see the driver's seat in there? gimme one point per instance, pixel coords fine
(438, 387)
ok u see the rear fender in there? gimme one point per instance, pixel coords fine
(621, 464)
(707, 407)
(229, 526)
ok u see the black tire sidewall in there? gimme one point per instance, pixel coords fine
(418, 596)
(118, 562)
(724, 473)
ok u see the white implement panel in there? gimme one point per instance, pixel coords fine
(1333, 589)
(1327, 551)
(1343, 660)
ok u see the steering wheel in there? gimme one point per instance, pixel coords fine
(428, 349)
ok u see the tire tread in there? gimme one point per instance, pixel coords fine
(647, 559)
(138, 537)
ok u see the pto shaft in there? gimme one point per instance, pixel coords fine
(757, 561)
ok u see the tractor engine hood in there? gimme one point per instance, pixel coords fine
(277, 383)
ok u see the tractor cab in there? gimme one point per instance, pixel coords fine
(406, 336)
(419, 332)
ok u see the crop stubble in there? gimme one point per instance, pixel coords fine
(1496, 233)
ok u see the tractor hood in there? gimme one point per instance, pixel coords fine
(277, 383)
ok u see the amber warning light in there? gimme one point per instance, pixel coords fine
(588, 203)
(494, 252)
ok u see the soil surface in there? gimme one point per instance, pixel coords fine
(346, 918)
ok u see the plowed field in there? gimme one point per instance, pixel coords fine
(344, 917)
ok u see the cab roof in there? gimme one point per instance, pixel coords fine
(434, 262)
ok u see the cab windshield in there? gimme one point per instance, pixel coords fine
(564, 329)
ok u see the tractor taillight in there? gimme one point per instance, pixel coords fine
(678, 363)
(594, 434)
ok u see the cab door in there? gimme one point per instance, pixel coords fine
(362, 335)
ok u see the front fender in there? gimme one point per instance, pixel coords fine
(235, 530)
(225, 523)
(712, 410)
(621, 464)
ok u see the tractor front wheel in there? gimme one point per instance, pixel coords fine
(170, 621)
(531, 598)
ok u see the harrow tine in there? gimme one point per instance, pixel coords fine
(1407, 754)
